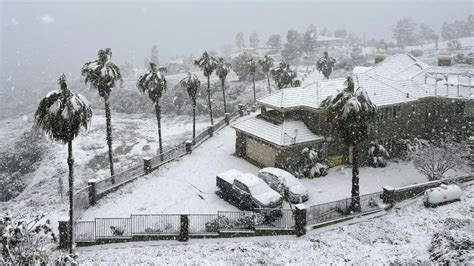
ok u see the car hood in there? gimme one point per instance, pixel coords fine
(298, 190)
(268, 197)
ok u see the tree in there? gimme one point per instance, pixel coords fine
(435, 160)
(341, 33)
(252, 65)
(207, 64)
(222, 70)
(102, 75)
(426, 33)
(266, 64)
(240, 66)
(23, 242)
(254, 40)
(274, 41)
(191, 83)
(283, 75)
(326, 64)
(309, 40)
(153, 83)
(154, 55)
(351, 110)
(292, 50)
(404, 32)
(240, 41)
(61, 115)
(324, 32)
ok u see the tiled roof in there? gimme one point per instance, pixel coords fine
(398, 67)
(285, 134)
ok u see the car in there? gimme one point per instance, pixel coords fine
(284, 183)
(247, 191)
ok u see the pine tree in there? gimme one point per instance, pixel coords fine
(240, 41)
(102, 74)
(351, 110)
(254, 40)
(274, 41)
(191, 83)
(61, 115)
(153, 83)
(207, 64)
(222, 70)
(404, 32)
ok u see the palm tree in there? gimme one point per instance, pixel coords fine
(61, 115)
(192, 84)
(221, 71)
(102, 74)
(153, 82)
(266, 64)
(283, 75)
(207, 64)
(351, 110)
(325, 64)
(252, 70)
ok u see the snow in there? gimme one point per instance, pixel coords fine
(401, 235)
(229, 175)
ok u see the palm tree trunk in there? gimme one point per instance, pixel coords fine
(70, 163)
(223, 95)
(108, 119)
(194, 119)
(268, 81)
(209, 98)
(254, 95)
(355, 204)
(158, 117)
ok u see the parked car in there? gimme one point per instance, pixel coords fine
(284, 183)
(247, 191)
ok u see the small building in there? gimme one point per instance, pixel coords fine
(445, 59)
(409, 106)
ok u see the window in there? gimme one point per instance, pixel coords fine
(241, 186)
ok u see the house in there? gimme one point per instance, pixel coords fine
(411, 99)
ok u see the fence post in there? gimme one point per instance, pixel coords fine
(300, 219)
(210, 131)
(388, 195)
(254, 108)
(227, 118)
(184, 228)
(241, 109)
(63, 234)
(147, 165)
(92, 191)
(189, 146)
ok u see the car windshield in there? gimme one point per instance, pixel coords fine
(291, 181)
(258, 189)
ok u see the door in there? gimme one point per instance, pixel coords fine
(261, 152)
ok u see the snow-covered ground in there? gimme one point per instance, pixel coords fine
(402, 235)
(190, 183)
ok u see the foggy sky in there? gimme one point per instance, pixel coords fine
(39, 40)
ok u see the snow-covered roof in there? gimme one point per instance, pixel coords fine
(360, 69)
(397, 79)
(248, 179)
(285, 134)
(321, 38)
(229, 175)
(398, 67)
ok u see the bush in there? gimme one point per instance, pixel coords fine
(310, 164)
(377, 155)
(416, 53)
(454, 244)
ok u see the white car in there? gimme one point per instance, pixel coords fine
(284, 183)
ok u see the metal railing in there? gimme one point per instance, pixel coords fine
(342, 208)
(203, 224)
(149, 224)
(113, 227)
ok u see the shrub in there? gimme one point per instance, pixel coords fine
(416, 52)
(310, 164)
(454, 244)
(377, 155)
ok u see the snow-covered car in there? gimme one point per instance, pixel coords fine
(284, 183)
(247, 191)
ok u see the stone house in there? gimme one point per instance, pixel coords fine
(412, 102)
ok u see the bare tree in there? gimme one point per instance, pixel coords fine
(435, 160)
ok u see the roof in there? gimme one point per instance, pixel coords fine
(288, 133)
(397, 79)
(229, 175)
(249, 180)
